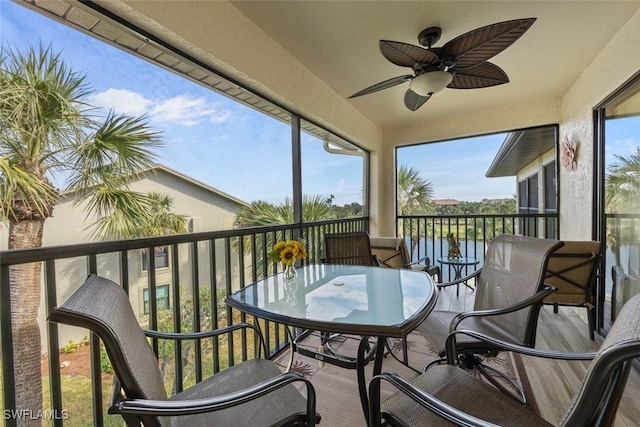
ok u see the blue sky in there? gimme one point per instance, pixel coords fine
(460, 177)
(207, 136)
(623, 137)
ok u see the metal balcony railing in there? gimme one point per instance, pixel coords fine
(620, 268)
(200, 270)
(427, 234)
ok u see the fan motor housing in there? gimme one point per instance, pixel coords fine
(430, 36)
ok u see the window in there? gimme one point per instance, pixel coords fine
(550, 199)
(550, 188)
(528, 195)
(161, 258)
(162, 298)
(528, 203)
(333, 180)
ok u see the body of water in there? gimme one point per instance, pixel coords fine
(439, 247)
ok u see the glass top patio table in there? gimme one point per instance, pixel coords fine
(457, 264)
(349, 299)
(458, 261)
(357, 300)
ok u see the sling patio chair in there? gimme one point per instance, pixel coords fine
(572, 270)
(508, 297)
(352, 248)
(393, 252)
(447, 395)
(253, 393)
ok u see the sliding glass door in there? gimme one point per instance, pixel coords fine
(618, 198)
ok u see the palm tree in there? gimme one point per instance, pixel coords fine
(260, 213)
(46, 129)
(414, 192)
(414, 198)
(622, 191)
(163, 221)
(623, 184)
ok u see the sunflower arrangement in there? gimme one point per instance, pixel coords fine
(287, 252)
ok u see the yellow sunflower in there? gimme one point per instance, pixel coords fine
(288, 256)
(287, 252)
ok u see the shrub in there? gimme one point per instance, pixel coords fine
(105, 363)
(72, 346)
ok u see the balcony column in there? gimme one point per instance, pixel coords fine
(383, 192)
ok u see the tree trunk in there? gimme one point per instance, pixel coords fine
(25, 286)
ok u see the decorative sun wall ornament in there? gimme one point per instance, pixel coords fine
(568, 151)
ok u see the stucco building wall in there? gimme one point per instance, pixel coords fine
(614, 66)
(205, 208)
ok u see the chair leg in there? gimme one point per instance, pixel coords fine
(591, 318)
(555, 308)
(520, 396)
(434, 362)
(471, 361)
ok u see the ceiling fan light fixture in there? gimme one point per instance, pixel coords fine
(431, 82)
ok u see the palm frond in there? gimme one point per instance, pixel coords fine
(126, 214)
(40, 100)
(316, 208)
(414, 192)
(623, 183)
(119, 211)
(121, 146)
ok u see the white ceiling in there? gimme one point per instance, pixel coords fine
(338, 42)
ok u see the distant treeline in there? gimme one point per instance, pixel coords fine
(484, 207)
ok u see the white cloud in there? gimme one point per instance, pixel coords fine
(186, 111)
(221, 116)
(180, 110)
(121, 101)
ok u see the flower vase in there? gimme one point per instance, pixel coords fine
(290, 284)
(290, 272)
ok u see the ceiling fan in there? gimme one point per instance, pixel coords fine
(460, 64)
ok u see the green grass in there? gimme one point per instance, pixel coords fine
(76, 389)
(76, 401)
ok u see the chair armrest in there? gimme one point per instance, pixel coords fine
(538, 297)
(461, 280)
(424, 399)
(199, 406)
(505, 346)
(420, 261)
(206, 334)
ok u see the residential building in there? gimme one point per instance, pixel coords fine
(206, 209)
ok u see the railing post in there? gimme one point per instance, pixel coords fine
(55, 384)
(96, 370)
(177, 325)
(195, 294)
(6, 337)
(296, 170)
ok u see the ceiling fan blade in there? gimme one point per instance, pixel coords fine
(383, 85)
(483, 43)
(484, 74)
(413, 101)
(405, 55)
